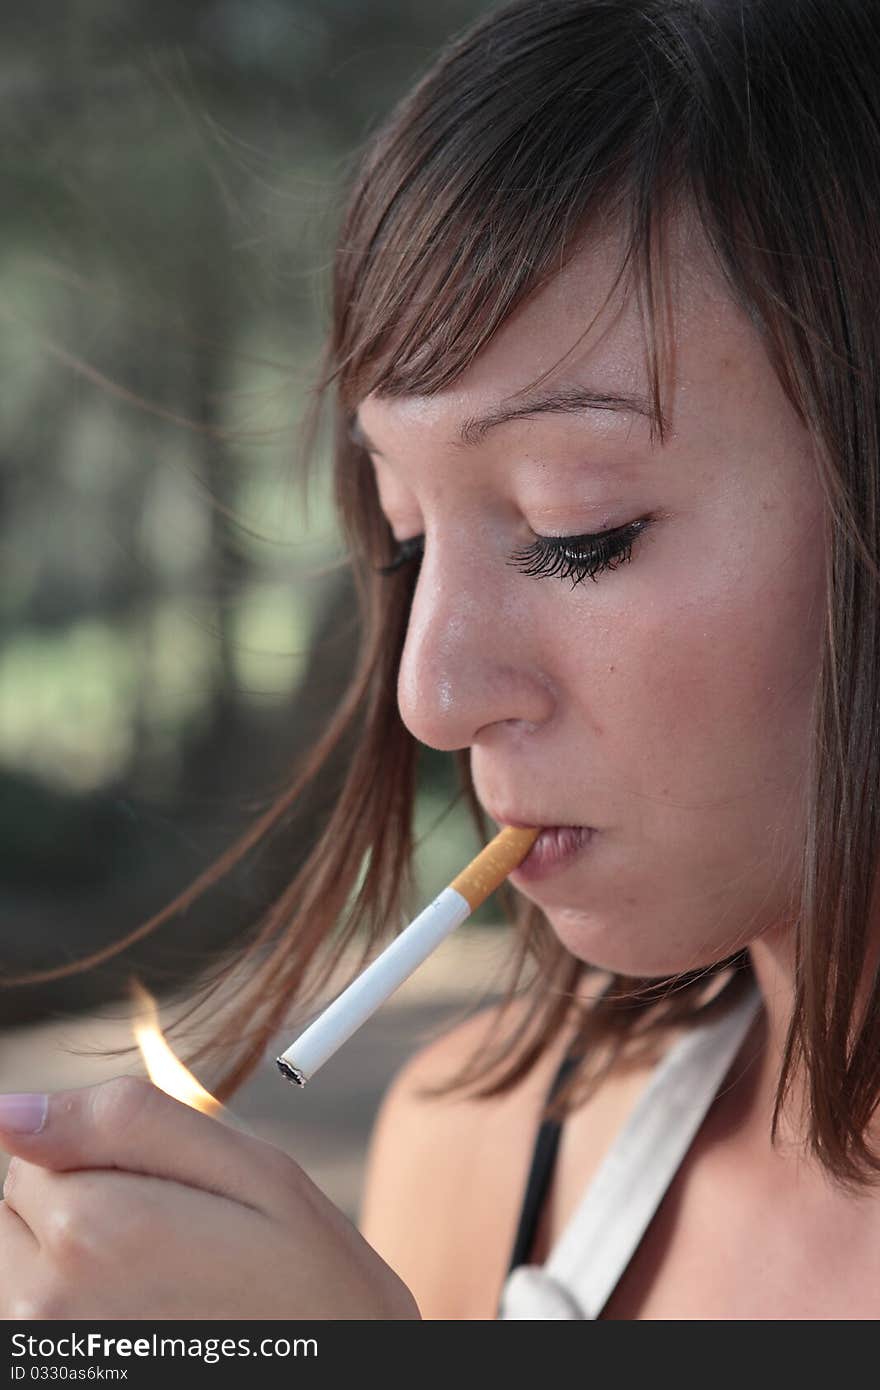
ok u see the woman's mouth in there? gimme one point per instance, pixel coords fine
(555, 849)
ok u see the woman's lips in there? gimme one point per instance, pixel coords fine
(554, 849)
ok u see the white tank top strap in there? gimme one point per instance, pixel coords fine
(598, 1243)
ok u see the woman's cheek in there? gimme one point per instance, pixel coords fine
(680, 685)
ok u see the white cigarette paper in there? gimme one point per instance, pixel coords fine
(397, 962)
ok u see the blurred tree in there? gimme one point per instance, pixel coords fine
(171, 176)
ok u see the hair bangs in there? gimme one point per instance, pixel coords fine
(464, 207)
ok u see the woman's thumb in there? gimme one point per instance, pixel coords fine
(23, 1112)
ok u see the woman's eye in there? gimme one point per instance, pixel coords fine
(580, 557)
(570, 557)
(406, 552)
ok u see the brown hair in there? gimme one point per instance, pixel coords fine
(538, 124)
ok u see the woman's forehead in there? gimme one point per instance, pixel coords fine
(581, 343)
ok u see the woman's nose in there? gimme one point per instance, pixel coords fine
(468, 659)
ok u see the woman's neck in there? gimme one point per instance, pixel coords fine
(772, 956)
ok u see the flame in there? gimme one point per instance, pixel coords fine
(164, 1069)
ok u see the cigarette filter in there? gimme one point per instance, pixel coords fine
(397, 962)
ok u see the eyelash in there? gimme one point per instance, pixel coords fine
(570, 557)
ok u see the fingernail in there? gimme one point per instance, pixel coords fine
(23, 1113)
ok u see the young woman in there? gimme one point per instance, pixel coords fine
(604, 365)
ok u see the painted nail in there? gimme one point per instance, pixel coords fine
(23, 1112)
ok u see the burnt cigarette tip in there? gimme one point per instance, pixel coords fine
(292, 1073)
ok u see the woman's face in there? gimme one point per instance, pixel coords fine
(667, 703)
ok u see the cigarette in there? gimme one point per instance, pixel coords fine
(397, 962)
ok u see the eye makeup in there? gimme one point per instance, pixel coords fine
(568, 557)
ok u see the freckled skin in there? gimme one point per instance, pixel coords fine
(668, 703)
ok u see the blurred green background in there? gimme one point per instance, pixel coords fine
(175, 630)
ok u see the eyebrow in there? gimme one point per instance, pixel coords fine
(560, 400)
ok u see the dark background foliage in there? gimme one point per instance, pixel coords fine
(173, 632)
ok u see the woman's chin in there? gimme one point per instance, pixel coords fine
(610, 945)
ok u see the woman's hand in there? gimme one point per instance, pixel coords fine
(129, 1204)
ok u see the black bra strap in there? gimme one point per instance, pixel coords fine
(543, 1159)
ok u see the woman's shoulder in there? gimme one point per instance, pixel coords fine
(445, 1176)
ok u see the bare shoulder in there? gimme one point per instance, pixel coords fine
(445, 1176)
